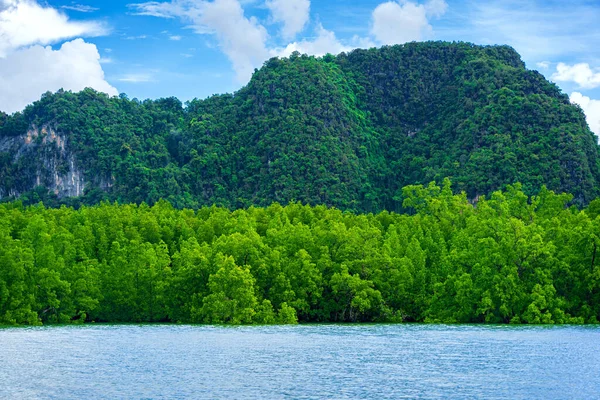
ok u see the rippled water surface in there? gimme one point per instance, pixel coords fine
(312, 361)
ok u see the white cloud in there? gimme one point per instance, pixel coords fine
(358, 42)
(325, 42)
(244, 40)
(137, 78)
(80, 7)
(175, 37)
(582, 74)
(26, 74)
(436, 8)
(591, 108)
(400, 22)
(543, 64)
(138, 37)
(241, 39)
(174, 9)
(293, 14)
(25, 22)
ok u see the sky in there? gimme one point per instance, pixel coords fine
(197, 48)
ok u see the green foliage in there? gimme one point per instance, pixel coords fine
(508, 258)
(348, 131)
(231, 296)
(362, 132)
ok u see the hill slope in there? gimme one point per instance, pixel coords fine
(348, 131)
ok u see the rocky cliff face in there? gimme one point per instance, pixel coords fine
(41, 157)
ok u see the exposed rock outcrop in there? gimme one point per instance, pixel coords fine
(43, 156)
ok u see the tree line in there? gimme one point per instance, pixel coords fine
(508, 258)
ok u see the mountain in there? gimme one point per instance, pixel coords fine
(347, 131)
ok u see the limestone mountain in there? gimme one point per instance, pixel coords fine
(347, 131)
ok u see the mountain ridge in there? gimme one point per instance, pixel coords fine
(347, 131)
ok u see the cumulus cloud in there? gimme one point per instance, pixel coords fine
(26, 74)
(293, 14)
(242, 39)
(436, 8)
(324, 42)
(392, 23)
(591, 108)
(404, 21)
(582, 74)
(25, 22)
(245, 41)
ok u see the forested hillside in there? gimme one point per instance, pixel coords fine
(347, 131)
(510, 259)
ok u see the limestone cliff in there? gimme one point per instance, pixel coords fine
(43, 158)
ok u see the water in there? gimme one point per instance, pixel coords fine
(312, 361)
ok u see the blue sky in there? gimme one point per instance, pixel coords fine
(196, 48)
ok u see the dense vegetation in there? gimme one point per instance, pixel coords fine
(358, 132)
(347, 131)
(509, 259)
